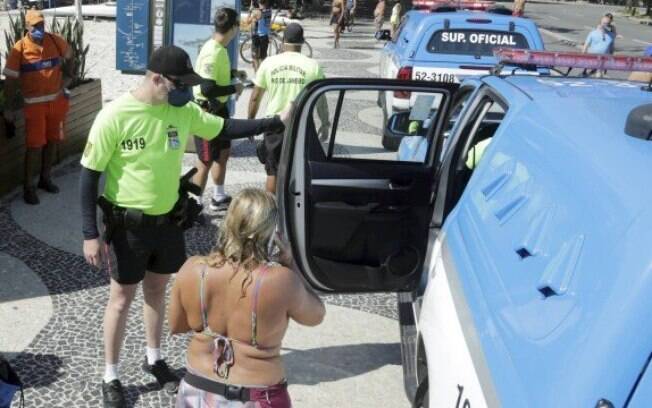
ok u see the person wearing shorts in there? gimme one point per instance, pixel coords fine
(261, 18)
(138, 141)
(283, 76)
(213, 63)
(379, 15)
(34, 66)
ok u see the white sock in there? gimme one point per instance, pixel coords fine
(110, 372)
(218, 191)
(153, 355)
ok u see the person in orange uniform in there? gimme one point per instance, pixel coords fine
(34, 66)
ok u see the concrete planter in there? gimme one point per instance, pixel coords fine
(85, 103)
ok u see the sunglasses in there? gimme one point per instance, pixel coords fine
(176, 82)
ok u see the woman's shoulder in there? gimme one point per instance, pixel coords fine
(191, 265)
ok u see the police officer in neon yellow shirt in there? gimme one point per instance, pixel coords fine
(283, 76)
(213, 63)
(137, 142)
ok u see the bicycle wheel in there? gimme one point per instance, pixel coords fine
(274, 46)
(245, 50)
(306, 49)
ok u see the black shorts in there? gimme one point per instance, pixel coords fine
(158, 249)
(208, 151)
(259, 46)
(273, 147)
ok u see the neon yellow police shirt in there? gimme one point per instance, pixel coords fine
(284, 76)
(213, 63)
(139, 147)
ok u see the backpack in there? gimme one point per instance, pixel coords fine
(9, 385)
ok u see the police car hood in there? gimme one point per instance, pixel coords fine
(556, 226)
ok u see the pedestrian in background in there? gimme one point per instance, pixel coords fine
(138, 141)
(395, 19)
(642, 76)
(599, 41)
(35, 66)
(235, 302)
(379, 15)
(519, 8)
(214, 64)
(260, 20)
(339, 20)
(283, 76)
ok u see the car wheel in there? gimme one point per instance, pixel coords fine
(421, 398)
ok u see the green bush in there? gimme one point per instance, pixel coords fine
(70, 29)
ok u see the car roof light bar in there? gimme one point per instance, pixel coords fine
(459, 5)
(513, 56)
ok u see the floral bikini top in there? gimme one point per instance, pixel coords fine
(222, 345)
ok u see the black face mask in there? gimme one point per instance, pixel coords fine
(180, 95)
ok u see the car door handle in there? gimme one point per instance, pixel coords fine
(370, 184)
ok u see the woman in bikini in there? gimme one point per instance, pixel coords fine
(236, 302)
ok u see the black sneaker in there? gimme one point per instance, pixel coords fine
(222, 203)
(30, 197)
(165, 378)
(113, 395)
(48, 186)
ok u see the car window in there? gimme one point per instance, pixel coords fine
(474, 42)
(351, 125)
(459, 104)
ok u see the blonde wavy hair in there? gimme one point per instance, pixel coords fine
(245, 234)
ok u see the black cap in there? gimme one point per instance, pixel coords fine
(293, 34)
(171, 60)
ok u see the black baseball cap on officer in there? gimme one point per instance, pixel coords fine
(172, 61)
(293, 34)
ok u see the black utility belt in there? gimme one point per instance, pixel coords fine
(133, 218)
(230, 392)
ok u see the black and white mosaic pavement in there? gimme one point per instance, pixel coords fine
(62, 366)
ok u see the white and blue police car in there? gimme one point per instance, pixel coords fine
(524, 275)
(447, 43)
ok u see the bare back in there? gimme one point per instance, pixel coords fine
(230, 314)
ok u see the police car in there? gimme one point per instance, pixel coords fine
(445, 43)
(524, 280)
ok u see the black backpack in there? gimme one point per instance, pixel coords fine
(10, 384)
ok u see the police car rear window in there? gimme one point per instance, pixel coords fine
(474, 42)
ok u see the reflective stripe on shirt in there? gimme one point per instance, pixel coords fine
(44, 98)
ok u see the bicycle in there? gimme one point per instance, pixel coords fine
(275, 40)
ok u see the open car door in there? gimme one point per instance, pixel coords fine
(357, 215)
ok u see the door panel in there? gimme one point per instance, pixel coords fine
(356, 216)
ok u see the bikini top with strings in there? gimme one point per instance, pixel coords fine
(222, 345)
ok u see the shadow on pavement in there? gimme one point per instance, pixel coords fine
(36, 370)
(327, 364)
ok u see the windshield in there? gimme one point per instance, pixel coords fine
(474, 42)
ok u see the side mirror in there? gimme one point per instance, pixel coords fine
(383, 35)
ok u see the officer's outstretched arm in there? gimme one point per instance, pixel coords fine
(241, 128)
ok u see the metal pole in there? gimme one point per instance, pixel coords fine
(78, 11)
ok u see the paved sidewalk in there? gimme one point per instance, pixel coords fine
(51, 302)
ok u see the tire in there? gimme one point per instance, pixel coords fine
(421, 397)
(245, 50)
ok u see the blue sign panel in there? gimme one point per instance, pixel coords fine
(132, 35)
(192, 25)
